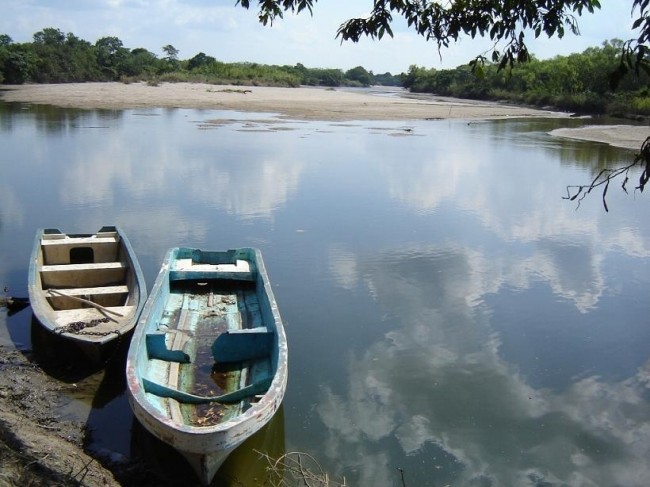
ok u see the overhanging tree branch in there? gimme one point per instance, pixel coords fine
(605, 176)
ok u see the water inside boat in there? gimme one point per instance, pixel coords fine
(198, 312)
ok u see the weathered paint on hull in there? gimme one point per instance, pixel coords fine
(205, 447)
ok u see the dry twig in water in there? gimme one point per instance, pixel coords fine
(297, 468)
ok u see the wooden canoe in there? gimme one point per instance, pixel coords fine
(87, 288)
(207, 365)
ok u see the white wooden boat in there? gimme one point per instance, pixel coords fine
(207, 365)
(87, 288)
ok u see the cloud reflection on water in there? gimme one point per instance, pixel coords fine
(483, 280)
(439, 378)
(226, 177)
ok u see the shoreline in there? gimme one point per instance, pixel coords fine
(304, 103)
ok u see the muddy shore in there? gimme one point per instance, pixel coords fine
(38, 446)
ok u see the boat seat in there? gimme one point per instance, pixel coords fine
(101, 295)
(95, 266)
(47, 241)
(251, 390)
(58, 251)
(242, 345)
(93, 291)
(211, 275)
(157, 349)
(83, 275)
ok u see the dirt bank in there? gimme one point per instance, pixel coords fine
(36, 446)
(39, 447)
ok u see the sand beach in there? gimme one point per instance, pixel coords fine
(298, 103)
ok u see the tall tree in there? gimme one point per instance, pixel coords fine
(200, 60)
(111, 54)
(50, 36)
(171, 56)
(140, 61)
(16, 62)
(171, 52)
(50, 51)
(360, 75)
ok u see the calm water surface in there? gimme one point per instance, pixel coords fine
(448, 314)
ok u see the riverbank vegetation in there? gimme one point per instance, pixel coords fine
(580, 82)
(57, 57)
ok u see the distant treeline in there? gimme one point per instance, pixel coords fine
(56, 57)
(577, 83)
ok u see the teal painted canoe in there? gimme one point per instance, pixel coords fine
(207, 365)
(87, 288)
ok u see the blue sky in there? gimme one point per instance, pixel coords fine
(232, 34)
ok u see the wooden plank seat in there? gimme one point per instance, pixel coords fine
(187, 269)
(83, 275)
(83, 314)
(58, 251)
(73, 241)
(74, 297)
(66, 317)
(94, 266)
(210, 276)
(93, 291)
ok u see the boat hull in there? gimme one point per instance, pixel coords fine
(86, 288)
(199, 300)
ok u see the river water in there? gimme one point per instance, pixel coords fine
(451, 319)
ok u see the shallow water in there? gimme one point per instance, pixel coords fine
(448, 313)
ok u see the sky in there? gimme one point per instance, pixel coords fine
(233, 34)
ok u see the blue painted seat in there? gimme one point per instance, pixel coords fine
(242, 345)
(157, 349)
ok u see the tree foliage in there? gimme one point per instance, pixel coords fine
(579, 82)
(506, 22)
(360, 75)
(57, 57)
(201, 59)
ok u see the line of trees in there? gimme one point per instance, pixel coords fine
(578, 83)
(56, 57)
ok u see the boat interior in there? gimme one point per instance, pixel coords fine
(80, 268)
(211, 352)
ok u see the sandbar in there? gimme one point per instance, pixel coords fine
(624, 136)
(304, 103)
